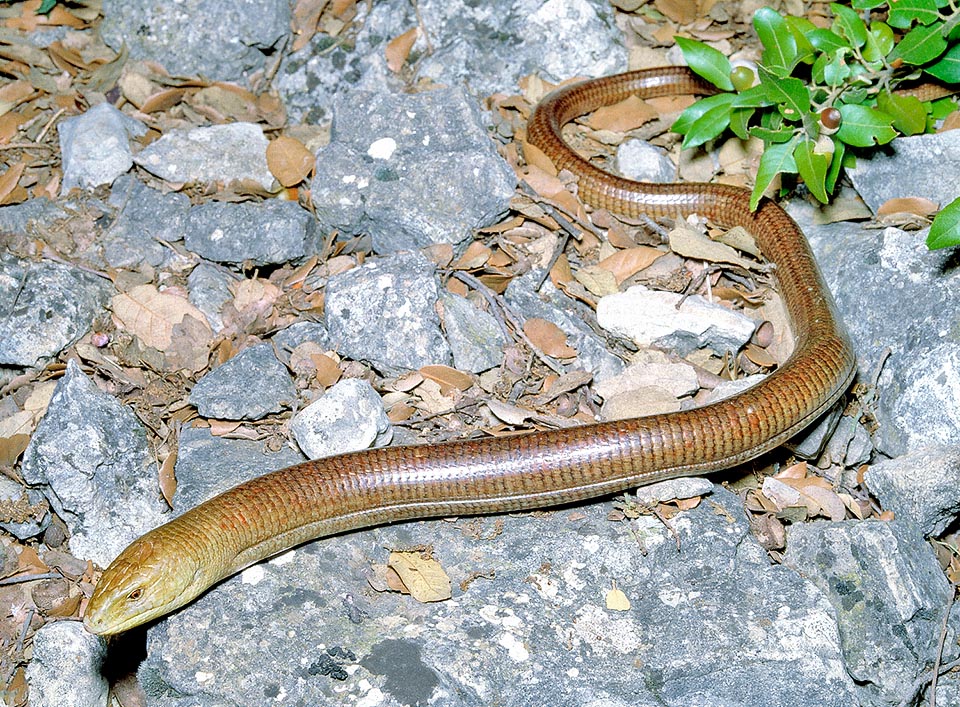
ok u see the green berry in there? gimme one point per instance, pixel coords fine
(742, 77)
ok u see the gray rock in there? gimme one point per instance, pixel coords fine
(13, 495)
(727, 389)
(208, 465)
(553, 305)
(810, 442)
(523, 636)
(145, 220)
(410, 170)
(894, 294)
(902, 169)
(189, 38)
(348, 417)
(286, 340)
(249, 386)
(215, 153)
(45, 307)
(30, 215)
(674, 489)
(652, 318)
(385, 312)
(65, 669)
(89, 456)
(95, 146)
(678, 378)
(265, 233)
(889, 595)
(487, 47)
(922, 487)
(473, 334)
(209, 287)
(643, 162)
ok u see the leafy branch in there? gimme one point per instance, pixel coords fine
(819, 91)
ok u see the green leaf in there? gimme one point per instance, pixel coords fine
(903, 13)
(791, 94)
(947, 69)
(862, 126)
(706, 61)
(847, 23)
(776, 159)
(866, 4)
(710, 123)
(826, 41)
(882, 37)
(920, 45)
(46, 6)
(692, 114)
(779, 46)
(942, 107)
(774, 135)
(836, 165)
(831, 69)
(739, 121)
(908, 113)
(812, 167)
(800, 27)
(753, 97)
(945, 229)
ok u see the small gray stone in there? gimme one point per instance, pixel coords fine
(146, 218)
(188, 37)
(286, 340)
(410, 170)
(474, 336)
(65, 669)
(348, 417)
(249, 386)
(727, 389)
(209, 287)
(673, 489)
(902, 169)
(270, 232)
(554, 306)
(45, 307)
(811, 441)
(13, 494)
(95, 146)
(643, 162)
(922, 487)
(651, 317)
(678, 378)
(89, 456)
(889, 594)
(208, 465)
(216, 153)
(23, 219)
(385, 312)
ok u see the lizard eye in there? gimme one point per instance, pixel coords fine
(135, 594)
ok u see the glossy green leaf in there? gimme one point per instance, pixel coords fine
(920, 45)
(945, 229)
(711, 123)
(826, 41)
(862, 126)
(692, 114)
(740, 121)
(812, 167)
(882, 37)
(942, 107)
(800, 27)
(847, 23)
(831, 69)
(904, 13)
(779, 46)
(776, 159)
(947, 69)
(792, 95)
(753, 97)
(46, 6)
(773, 135)
(836, 165)
(866, 4)
(908, 113)
(706, 61)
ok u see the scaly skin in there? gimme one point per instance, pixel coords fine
(173, 564)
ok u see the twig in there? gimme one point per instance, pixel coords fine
(939, 657)
(21, 578)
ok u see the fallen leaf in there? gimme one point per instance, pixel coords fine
(599, 281)
(909, 205)
(617, 601)
(447, 378)
(511, 414)
(168, 478)
(289, 160)
(151, 315)
(691, 243)
(9, 181)
(422, 576)
(398, 49)
(548, 337)
(622, 117)
(474, 257)
(328, 370)
(630, 261)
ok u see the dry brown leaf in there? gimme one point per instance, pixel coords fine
(474, 257)
(621, 117)
(151, 315)
(220, 428)
(447, 378)
(9, 181)
(189, 347)
(255, 295)
(306, 17)
(423, 576)
(625, 263)
(13, 94)
(616, 600)
(597, 280)
(511, 414)
(162, 100)
(289, 160)
(690, 243)
(398, 49)
(683, 12)
(167, 477)
(328, 370)
(909, 205)
(548, 337)
(12, 447)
